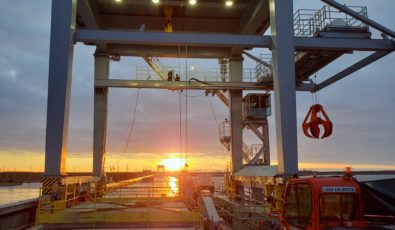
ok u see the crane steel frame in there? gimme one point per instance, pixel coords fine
(282, 43)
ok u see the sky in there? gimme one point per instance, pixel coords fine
(361, 106)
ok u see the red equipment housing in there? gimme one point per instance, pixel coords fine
(320, 203)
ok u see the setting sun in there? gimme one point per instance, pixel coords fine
(173, 164)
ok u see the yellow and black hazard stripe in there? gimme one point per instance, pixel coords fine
(287, 179)
(47, 184)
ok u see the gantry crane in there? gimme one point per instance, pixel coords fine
(135, 28)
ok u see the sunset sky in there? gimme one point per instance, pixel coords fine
(361, 106)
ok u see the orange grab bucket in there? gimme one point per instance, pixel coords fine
(312, 122)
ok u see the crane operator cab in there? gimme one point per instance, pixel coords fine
(323, 203)
(256, 106)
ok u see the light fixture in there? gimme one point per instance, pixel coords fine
(192, 68)
(192, 2)
(118, 0)
(228, 3)
(155, 1)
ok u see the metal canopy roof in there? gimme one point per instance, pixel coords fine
(248, 17)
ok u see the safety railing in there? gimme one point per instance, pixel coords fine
(220, 188)
(242, 207)
(138, 202)
(308, 22)
(155, 189)
(248, 196)
(203, 74)
(50, 207)
(262, 71)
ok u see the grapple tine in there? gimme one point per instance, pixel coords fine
(306, 128)
(328, 127)
(312, 123)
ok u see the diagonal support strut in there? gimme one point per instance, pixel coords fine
(357, 66)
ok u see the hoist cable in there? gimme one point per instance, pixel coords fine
(315, 95)
(130, 131)
(180, 107)
(186, 106)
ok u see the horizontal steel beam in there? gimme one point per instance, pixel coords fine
(89, 15)
(205, 4)
(162, 38)
(227, 40)
(168, 51)
(348, 44)
(355, 67)
(179, 85)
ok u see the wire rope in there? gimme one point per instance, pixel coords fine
(186, 106)
(130, 131)
(180, 107)
(316, 96)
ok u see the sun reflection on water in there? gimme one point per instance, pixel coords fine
(173, 186)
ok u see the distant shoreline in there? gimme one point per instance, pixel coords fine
(4, 184)
(18, 178)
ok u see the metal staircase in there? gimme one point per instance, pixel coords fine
(157, 66)
(220, 94)
(223, 97)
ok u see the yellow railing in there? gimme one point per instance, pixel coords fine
(145, 202)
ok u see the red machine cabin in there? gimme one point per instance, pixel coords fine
(320, 203)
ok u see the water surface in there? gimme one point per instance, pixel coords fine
(11, 194)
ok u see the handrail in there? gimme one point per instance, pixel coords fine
(308, 22)
(204, 74)
(253, 207)
(123, 196)
(362, 17)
